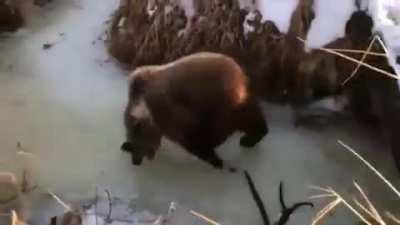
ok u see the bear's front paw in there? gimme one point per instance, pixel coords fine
(126, 147)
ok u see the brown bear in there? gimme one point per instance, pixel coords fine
(196, 101)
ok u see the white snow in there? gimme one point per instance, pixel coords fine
(329, 23)
(278, 11)
(65, 106)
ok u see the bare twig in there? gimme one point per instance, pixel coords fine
(379, 39)
(329, 207)
(14, 217)
(352, 209)
(357, 51)
(386, 181)
(368, 208)
(203, 217)
(391, 75)
(95, 206)
(108, 218)
(392, 217)
(24, 184)
(341, 200)
(364, 56)
(322, 196)
(371, 207)
(319, 188)
(61, 202)
(363, 208)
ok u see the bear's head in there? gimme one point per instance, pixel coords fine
(143, 137)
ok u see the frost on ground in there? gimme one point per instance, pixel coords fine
(64, 105)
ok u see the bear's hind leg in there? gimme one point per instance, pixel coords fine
(251, 138)
(208, 155)
(254, 125)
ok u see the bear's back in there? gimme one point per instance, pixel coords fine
(206, 80)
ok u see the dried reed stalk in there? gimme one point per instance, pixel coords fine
(329, 207)
(357, 51)
(392, 217)
(14, 218)
(203, 217)
(364, 56)
(379, 174)
(391, 75)
(368, 209)
(61, 202)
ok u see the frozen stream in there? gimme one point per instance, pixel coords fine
(65, 105)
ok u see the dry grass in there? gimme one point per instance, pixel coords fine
(67, 208)
(358, 62)
(365, 209)
(363, 58)
(204, 218)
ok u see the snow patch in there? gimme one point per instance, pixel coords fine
(330, 21)
(278, 11)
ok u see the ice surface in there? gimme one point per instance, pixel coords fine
(65, 106)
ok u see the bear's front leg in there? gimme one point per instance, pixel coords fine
(211, 157)
(254, 125)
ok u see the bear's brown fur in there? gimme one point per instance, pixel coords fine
(197, 101)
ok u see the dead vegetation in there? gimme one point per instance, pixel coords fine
(10, 16)
(14, 14)
(364, 210)
(155, 32)
(355, 66)
(145, 32)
